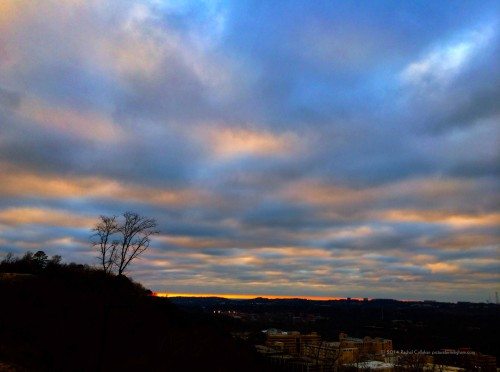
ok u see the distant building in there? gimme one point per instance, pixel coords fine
(378, 347)
(331, 353)
(292, 342)
(292, 348)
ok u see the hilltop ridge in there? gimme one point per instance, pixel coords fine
(74, 317)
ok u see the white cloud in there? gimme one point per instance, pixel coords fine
(443, 63)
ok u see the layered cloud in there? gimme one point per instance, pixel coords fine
(303, 149)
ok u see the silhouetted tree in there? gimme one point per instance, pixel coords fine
(136, 232)
(103, 239)
(28, 257)
(55, 260)
(9, 258)
(120, 242)
(30, 263)
(27, 263)
(40, 259)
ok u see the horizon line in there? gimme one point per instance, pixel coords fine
(239, 296)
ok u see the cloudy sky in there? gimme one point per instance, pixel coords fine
(314, 148)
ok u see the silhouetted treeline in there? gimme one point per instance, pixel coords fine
(71, 317)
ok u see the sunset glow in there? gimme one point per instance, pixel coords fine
(314, 149)
(246, 296)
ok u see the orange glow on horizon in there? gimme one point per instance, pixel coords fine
(238, 296)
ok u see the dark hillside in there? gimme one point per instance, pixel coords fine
(58, 317)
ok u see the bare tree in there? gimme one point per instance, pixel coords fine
(104, 232)
(120, 242)
(40, 258)
(135, 232)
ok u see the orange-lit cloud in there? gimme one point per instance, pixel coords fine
(49, 217)
(90, 126)
(21, 183)
(442, 267)
(9, 10)
(228, 143)
(12, 13)
(315, 192)
(460, 241)
(193, 242)
(435, 216)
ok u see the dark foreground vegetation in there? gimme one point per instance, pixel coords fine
(70, 317)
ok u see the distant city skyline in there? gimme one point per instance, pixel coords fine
(320, 149)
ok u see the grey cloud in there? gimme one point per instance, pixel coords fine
(8, 99)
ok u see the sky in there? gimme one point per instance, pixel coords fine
(287, 148)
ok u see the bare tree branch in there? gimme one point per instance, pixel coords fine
(136, 232)
(103, 239)
(121, 242)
